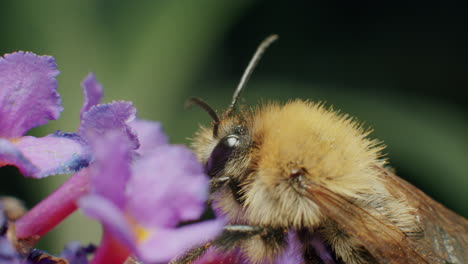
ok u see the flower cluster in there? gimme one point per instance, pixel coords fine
(125, 174)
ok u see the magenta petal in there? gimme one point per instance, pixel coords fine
(11, 155)
(170, 180)
(92, 91)
(150, 135)
(28, 93)
(109, 216)
(111, 167)
(58, 153)
(165, 244)
(103, 118)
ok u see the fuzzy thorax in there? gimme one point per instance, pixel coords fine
(303, 139)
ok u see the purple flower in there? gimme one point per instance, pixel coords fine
(8, 254)
(140, 189)
(141, 196)
(141, 199)
(29, 98)
(75, 253)
(96, 120)
(92, 91)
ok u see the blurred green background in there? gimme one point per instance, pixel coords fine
(399, 67)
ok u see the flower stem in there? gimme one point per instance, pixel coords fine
(111, 251)
(53, 209)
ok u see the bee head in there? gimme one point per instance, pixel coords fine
(258, 158)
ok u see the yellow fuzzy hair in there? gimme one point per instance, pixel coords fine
(330, 146)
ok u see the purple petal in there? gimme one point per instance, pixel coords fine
(150, 135)
(165, 244)
(75, 253)
(103, 118)
(28, 93)
(111, 167)
(8, 254)
(293, 253)
(323, 251)
(92, 91)
(110, 216)
(167, 186)
(11, 155)
(58, 153)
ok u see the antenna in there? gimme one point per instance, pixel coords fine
(248, 71)
(208, 109)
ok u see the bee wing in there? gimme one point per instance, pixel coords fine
(444, 231)
(385, 241)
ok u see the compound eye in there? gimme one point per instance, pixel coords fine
(231, 141)
(221, 154)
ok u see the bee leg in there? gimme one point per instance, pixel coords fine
(218, 182)
(191, 255)
(231, 236)
(258, 244)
